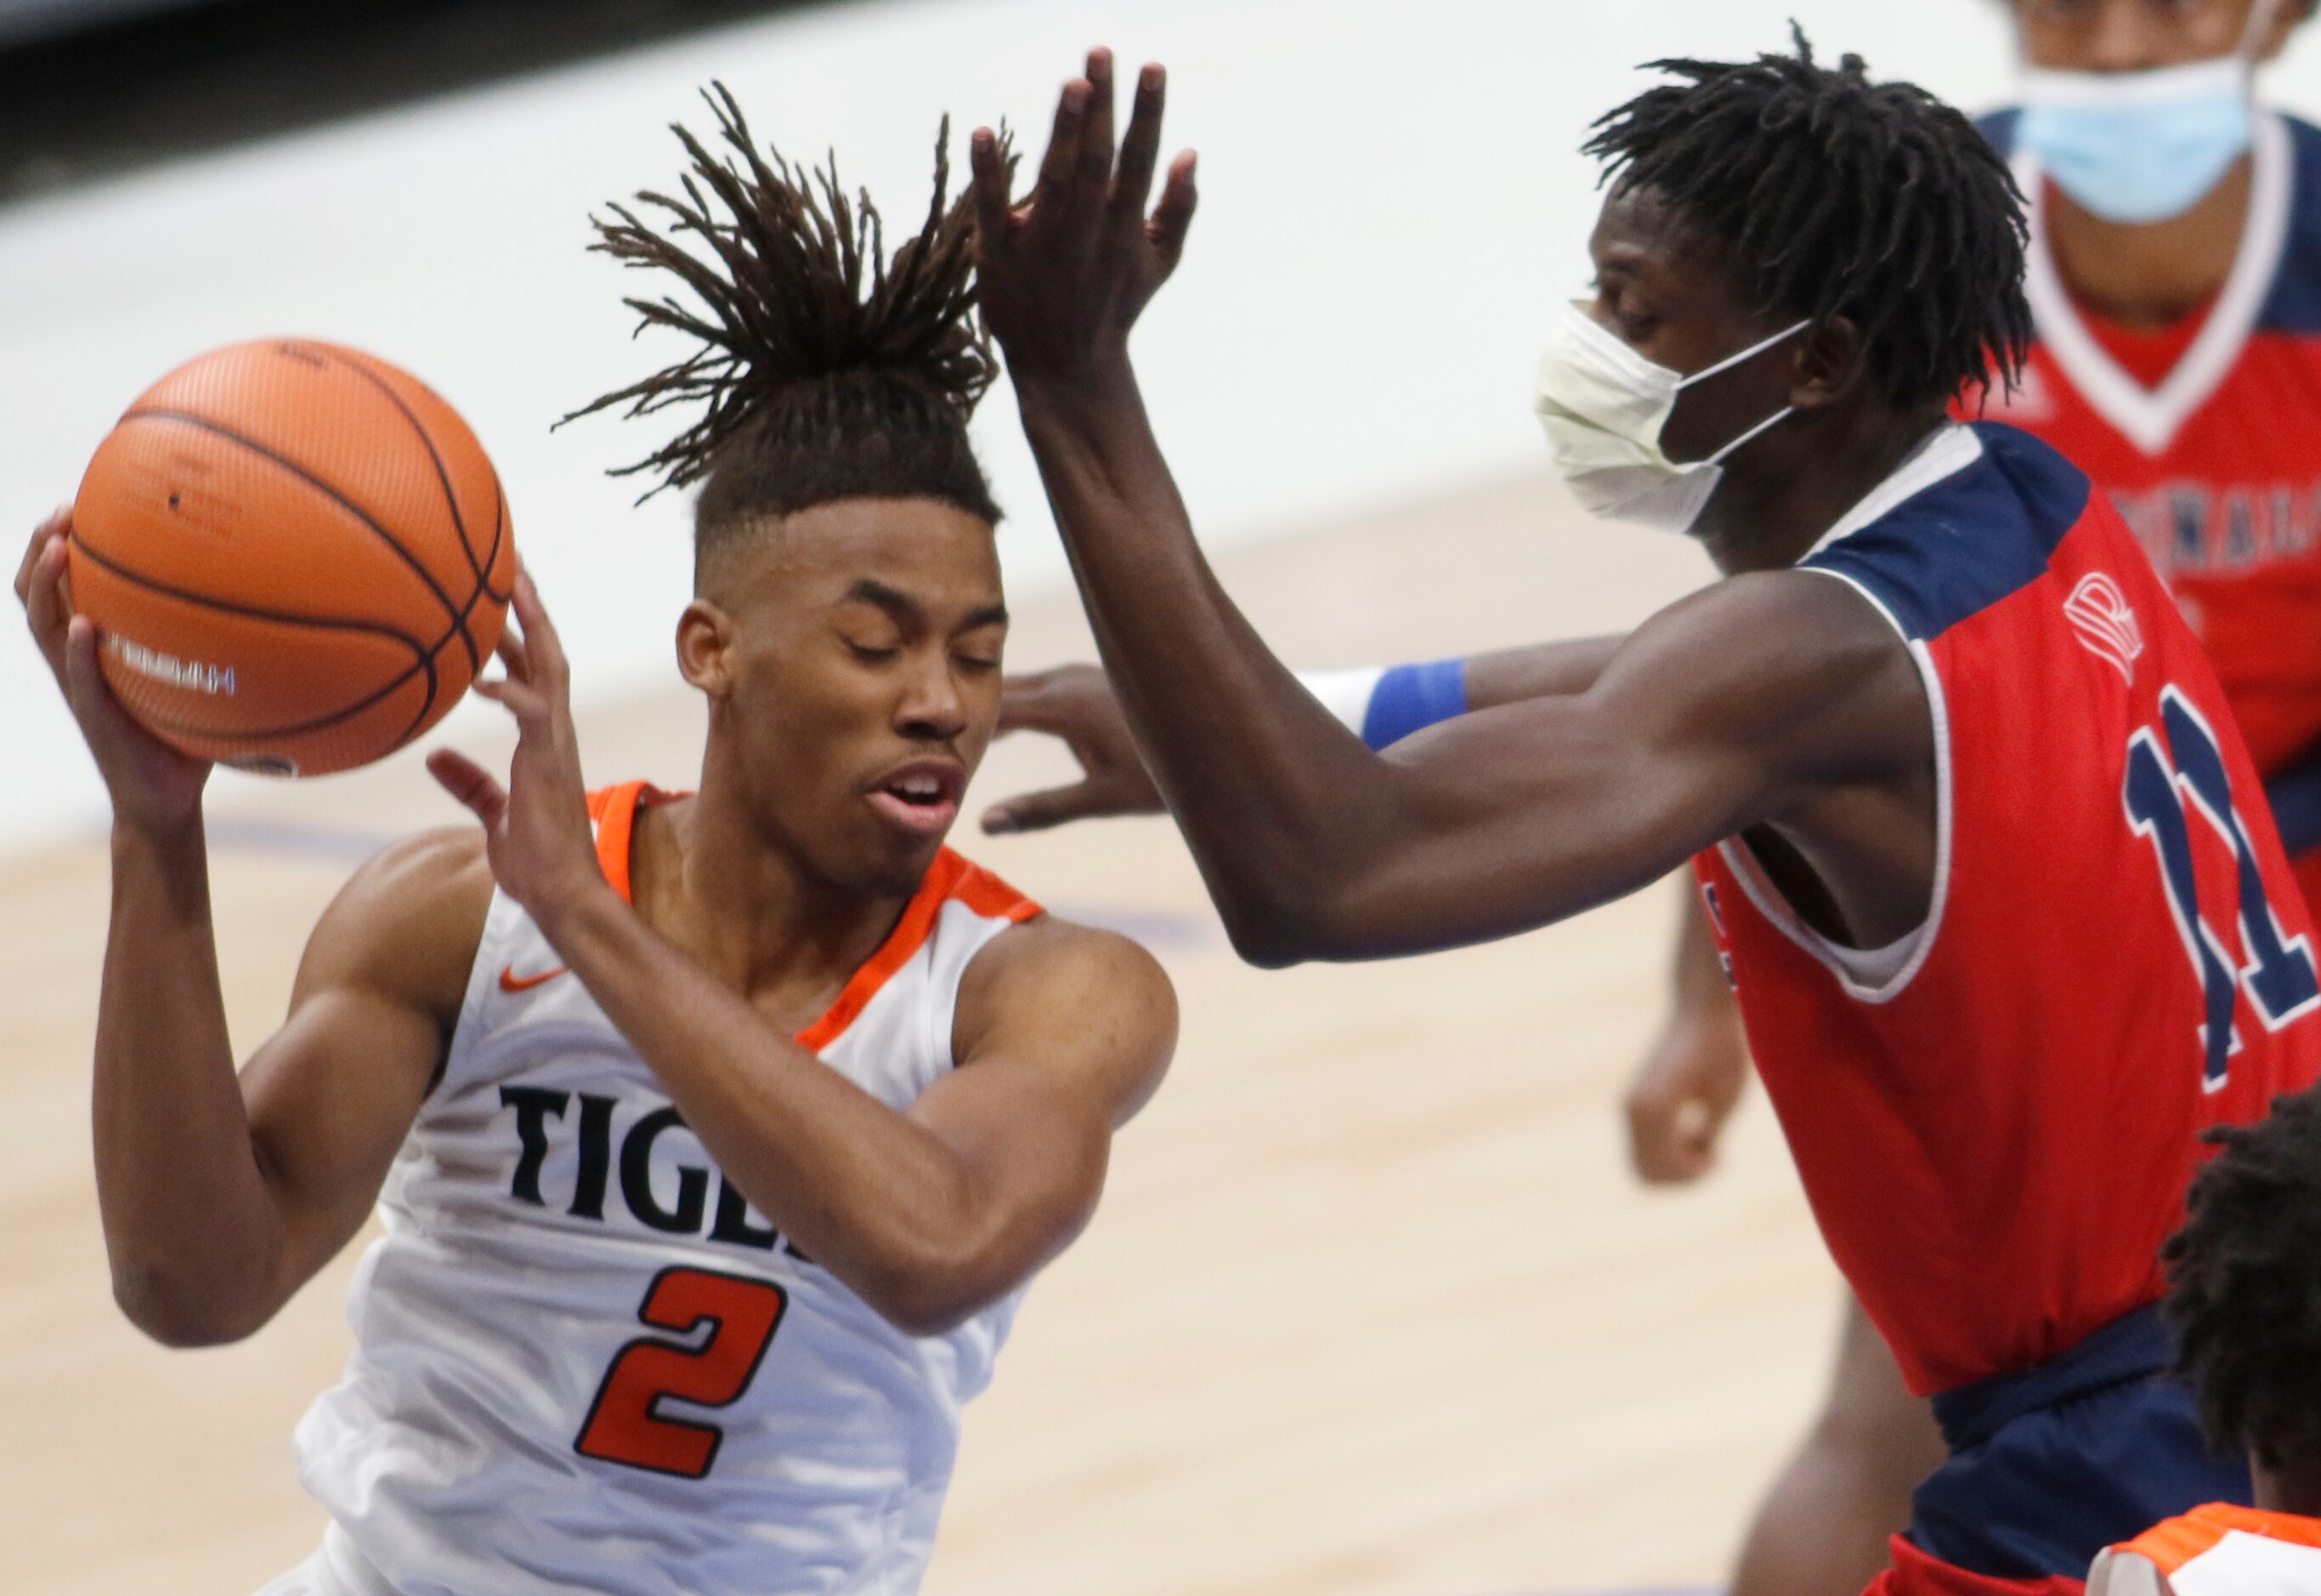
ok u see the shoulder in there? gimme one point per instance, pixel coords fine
(1969, 538)
(1054, 984)
(1769, 638)
(1797, 676)
(407, 922)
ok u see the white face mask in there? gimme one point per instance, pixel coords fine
(1604, 406)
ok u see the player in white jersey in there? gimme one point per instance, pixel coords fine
(714, 1136)
(2244, 1302)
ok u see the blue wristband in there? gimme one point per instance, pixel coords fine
(1412, 697)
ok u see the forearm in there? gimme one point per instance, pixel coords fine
(867, 1192)
(1383, 705)
(188, 1224)
(1262, 780)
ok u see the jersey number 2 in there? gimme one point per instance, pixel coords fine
(625, 1424)
(2164, 791)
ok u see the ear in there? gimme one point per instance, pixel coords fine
(704, 648)
(1828, 363)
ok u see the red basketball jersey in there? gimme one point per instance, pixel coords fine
(1996, 1118)
(2207, 436)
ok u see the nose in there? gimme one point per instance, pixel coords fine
(2138, 35)
(932, 708)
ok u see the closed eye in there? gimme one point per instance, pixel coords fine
(874, 656)
(975, 665)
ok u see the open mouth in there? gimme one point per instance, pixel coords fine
(921, 798)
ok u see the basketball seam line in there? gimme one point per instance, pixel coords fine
(203, 424)
(254, 612)
(499, 530)
(423, 657)
(450, 499)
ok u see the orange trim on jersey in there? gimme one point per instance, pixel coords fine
(949, 877)
(2177, 1541)
(615, 811)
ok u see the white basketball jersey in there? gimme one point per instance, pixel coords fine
(584, 1362)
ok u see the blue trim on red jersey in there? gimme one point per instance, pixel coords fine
(1998, 127)
(2055, 1463)
(2293, 306)
(1968, 541)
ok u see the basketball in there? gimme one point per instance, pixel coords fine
(297, 555)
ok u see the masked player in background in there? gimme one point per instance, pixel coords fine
(2175, 282)
(713, 1150)
(1954, 775)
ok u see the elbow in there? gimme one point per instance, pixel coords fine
(934, 1279)
(1277, 933)
(928, 1302)
(175, 1317)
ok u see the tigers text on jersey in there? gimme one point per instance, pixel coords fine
(2218, 1550)
(583, 1361)
(1995, 1118)
(2207, 435)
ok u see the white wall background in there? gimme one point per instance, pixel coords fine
(1392, 207)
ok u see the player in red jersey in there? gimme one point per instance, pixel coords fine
(1990, 859)
(2175, 278)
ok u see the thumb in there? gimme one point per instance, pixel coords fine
(91, 700)
(1038, 811)
(469, 782)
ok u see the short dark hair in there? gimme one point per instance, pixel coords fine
(2244, 1287)
(1872, 201)
(815, 385)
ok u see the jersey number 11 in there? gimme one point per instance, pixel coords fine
(2164, 789)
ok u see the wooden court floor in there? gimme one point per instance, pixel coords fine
(1371, 1305)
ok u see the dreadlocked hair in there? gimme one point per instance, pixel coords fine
(2244, 1287)
(1872, 201)
(815, 385)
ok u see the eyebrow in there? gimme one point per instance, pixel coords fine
(906, 610)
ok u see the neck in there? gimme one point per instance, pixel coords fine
(707, 877)
(2295, 1489)
(1772, 516)
(2147, 274)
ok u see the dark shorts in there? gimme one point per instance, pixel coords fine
(2051, 1465)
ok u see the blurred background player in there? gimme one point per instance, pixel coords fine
(2175, 285)
(714, 1150)
(2244, 1302)
(1865, 771)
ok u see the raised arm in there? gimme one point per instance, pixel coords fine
(1725, 709)
(221, 1195)
(1062, 1033)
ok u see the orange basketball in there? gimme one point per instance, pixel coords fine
(297, 555)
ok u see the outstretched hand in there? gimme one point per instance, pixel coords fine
(1064, 275)
(535, 828)
(1077, 705)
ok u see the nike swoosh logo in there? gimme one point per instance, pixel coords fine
(510, 981)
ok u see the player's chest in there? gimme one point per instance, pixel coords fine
(547, 1116)
(2236, 487)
